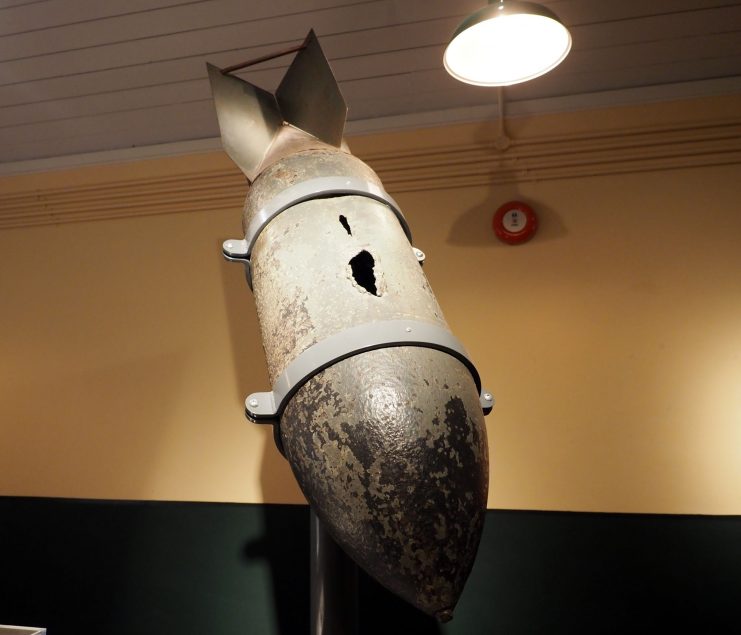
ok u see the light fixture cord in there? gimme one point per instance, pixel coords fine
(502, 142)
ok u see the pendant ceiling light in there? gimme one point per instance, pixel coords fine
(506, 42)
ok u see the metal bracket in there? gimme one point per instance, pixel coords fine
(268, 406)
(236, 250)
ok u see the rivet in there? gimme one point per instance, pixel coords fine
(408, 329)
(487, 396)
(254, 403)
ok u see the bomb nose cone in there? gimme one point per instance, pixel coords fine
(390, 449)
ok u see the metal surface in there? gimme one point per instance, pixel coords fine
(309, 96)
(354, 341)
(248, 117)
(334, 585)
(389, 444)
(320, 187)
(390, 449)
(239, 250)
(255, 124)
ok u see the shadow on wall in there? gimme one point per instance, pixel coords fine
(276, 480)
(282, 547)
(473, 227)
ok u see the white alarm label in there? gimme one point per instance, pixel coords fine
(514, 221)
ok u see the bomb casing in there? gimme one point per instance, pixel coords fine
(375, 403)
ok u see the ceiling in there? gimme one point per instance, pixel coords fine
(85, 76)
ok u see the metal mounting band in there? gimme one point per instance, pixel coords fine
(261, 406)
(321, 187)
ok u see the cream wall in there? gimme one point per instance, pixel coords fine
(612, 341)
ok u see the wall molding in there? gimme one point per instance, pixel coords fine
(455, 164)
(562, 156)
(187, 192)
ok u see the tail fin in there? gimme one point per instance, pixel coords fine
(251, 118)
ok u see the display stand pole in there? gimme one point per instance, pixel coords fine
(334, 585)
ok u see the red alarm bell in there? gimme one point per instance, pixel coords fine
(515, 222)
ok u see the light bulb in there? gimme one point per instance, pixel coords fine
(507, 43)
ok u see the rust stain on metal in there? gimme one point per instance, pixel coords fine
(389, 446)
(396, 467)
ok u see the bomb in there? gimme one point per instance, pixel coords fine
(374, 402)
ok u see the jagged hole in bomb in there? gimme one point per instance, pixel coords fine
(345, 224)
(362, 271)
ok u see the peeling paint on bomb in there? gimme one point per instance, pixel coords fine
(388, 446)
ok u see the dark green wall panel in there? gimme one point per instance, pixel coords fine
(140, 568)
(146, 567)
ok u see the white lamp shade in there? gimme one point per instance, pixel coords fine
(507, 43)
